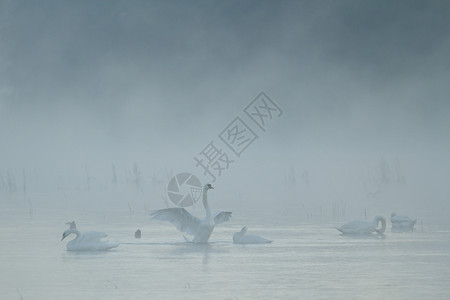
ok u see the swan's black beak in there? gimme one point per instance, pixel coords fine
(64, 236)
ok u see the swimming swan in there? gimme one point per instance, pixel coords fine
(88, 241)
(402, 223)
(241, 238)
(363, 227)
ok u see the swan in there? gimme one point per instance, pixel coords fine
(363, 227)
(187, 223)
(241, 238)
(402, 223)
(88, 241)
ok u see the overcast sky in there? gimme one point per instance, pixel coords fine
(88, 84)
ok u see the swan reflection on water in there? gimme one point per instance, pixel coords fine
(205, 250)
(380, 236)
(88, 253)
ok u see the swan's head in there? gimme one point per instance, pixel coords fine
(65, 234)
(383, 224)
(72, 225)
(208, 186)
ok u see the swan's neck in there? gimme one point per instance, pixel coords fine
(206, 205)
(377, 220)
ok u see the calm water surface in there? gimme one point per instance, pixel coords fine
(305, 261)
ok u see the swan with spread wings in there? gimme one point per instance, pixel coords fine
(185, 222)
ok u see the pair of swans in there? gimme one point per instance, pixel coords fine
(363, 227)
(88, 241)
(399, 224)
(402, 223)
(201, 229)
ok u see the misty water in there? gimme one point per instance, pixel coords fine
(307, 260)
(343, 113)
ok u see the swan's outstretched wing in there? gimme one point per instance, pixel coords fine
(222, 217)
(178, 216)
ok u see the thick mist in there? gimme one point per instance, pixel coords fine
(102, 102)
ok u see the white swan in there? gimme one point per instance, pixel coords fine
(402, 223)
(185, 222)
(241, 238)
(88, 241)
(363, 227)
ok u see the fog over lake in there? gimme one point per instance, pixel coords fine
(303, 115)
